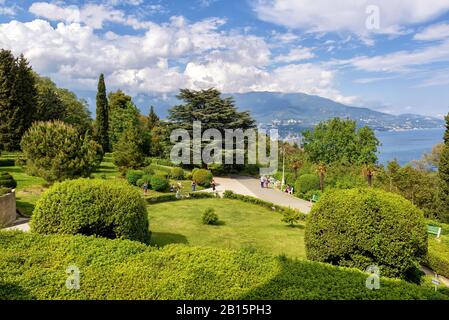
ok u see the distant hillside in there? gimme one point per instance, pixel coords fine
(302, 110)
(291, 112)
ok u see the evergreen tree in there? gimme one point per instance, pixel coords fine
(123, 114)
(152, 120)
(443, 174)
(17, 99)
(128, 152)
(102, 115)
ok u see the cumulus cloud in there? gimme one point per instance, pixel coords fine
(402, 60)
(166, 57)
(434, 32)
(348, 15)
(295, 55)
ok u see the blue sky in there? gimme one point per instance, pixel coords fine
(391, 56)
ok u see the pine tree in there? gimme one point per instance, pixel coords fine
(17, 99)
(102, 115)
(443, 174)
(153, 119)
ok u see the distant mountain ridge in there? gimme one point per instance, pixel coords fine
(303, 110)
(291, 112)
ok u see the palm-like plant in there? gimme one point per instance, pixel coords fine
(321, 170)
(369, 170)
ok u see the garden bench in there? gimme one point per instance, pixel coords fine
(434, 230)
(315, 198)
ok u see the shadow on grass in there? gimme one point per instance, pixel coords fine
(161, 239)
(297, 226)
(10, 291)
(25, 208)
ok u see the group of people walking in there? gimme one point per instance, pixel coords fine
(271, 182)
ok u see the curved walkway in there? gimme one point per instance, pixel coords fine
(251, 187)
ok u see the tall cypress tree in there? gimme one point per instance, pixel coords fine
(443, 174)
(17, 99)
(153, 119)
(102, 115)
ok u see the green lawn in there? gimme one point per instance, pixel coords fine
(243, 225)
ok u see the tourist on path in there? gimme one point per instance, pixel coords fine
(193, 185)
(262, 181)
(145, 188)
(213, 184)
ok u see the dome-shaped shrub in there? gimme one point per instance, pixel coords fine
(159, 183)
(177, 173)
(307, 182)
(363, 227)
(203, 177)
(92, 207)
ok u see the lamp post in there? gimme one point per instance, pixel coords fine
(283, 167)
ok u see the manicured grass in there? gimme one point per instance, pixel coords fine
(107, 168)
(23, 180)
(243, 225)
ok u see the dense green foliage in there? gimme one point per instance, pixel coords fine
(133, 175)
(209, 108)
(177, 173)
(438, 257)
(339, 140)
(92, 207)
(7, 180)
(128, 152)
(123, 114)
(55, 151)
(17, 99)
(363, 227)
(307, 182)
(55, 103)
(209, 217)
(159, 183)
(136, 271)
(172, 197)
(443, 174)
(202, 177)
(102, 121)
(420, 187)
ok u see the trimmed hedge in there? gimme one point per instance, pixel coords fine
(438, 257)
(34, 267)
(209, 217)
(284, 210)
(172, 197)
(105, 208)
(363, 227)
(7, 180)
(202, 177)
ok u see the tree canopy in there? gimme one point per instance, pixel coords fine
(339, 140)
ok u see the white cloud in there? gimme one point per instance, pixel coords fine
(92, 15)
(165, 58)
(295, 55)
(348, 15)
(433, 32)
(402, 60)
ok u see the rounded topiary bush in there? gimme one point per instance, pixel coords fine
(92, 207)
(7, 180)
(363, 227)
(133, 176)
(159, 183)
(177, 173)
(307, 182)
(202, 177)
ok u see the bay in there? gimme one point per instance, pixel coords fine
(406, 146)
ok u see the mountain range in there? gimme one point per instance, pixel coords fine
(291, 112)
